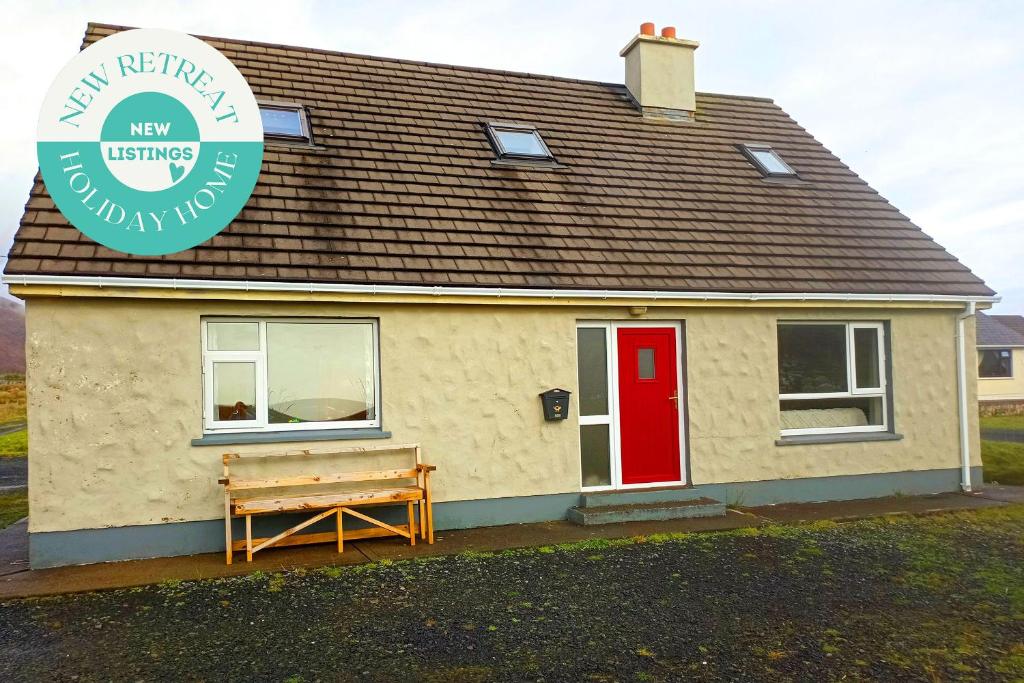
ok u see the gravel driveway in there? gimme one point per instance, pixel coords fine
(930, 598)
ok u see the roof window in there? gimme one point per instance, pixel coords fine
(518, 142)
(284, 122)
(768, 161)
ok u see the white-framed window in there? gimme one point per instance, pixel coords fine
(995, 363)
(280, 374)
(514, 141)
(832, 377)
(768, 161)
(284, 122)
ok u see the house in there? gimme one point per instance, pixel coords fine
(737, 315)
(1000, 360)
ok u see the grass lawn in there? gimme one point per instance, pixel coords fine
(14, 445)
(13, 506)
(1015, 422)
(933, 598)
(1003, 462)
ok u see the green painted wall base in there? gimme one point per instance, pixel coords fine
(86, 546)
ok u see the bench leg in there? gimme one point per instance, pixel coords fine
(423, 519)
(430, 508)
(341, 535)
(248, 538)
(412, 523)
(229, 543)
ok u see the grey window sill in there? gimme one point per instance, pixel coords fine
(290, 436)
(802, 439)
(526, 163)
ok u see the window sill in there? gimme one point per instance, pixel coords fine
(801, 439)
(290, 436)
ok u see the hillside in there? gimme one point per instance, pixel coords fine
(12, 336)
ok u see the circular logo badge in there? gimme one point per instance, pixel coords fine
(150, 141)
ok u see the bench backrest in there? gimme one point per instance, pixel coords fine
(316, 479)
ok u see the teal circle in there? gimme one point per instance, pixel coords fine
(149, 117)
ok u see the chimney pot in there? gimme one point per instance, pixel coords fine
(647, 28)
(668, 32)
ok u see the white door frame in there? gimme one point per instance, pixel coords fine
(612, 418)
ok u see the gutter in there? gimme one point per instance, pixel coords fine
(482, 292)
(961, 390)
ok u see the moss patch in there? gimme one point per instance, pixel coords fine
(13, 506)
(1003, 462)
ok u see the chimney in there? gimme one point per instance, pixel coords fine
(659, 73)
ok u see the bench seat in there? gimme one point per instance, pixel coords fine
(304, 492)
(256, 506)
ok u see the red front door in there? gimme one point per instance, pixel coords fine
(648, 405)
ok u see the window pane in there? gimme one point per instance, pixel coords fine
(320, 372)
(645, 363)
(233, 336)
(234, 391)
(592, 369)
(995, 363)
(520, 142)
(595, 452)
(770, 161)
(833, 412)
(865, 344)
(812, 359)
(281, 121)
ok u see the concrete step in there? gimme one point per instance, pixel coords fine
(660, 494)
(643, 512)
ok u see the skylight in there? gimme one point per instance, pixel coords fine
(768, 161)
(284, 122)
(518, 142)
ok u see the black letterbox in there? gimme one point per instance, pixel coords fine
(556, 404)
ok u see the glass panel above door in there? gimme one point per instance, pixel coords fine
(592, 369)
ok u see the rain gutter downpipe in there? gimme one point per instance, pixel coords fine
(961, 388)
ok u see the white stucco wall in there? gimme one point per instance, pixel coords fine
(115, 397)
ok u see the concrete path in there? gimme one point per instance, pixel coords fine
(1002, 493)
(488, 539)
(14, 548)
(1011, 435)
(13, 473)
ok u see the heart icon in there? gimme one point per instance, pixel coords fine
(177, 170)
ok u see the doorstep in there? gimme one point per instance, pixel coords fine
(38, 582)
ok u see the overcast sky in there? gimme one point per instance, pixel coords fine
(925, 100)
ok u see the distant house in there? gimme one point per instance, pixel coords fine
(1000, 359)
(737, 315)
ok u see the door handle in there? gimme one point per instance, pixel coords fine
(675, 397)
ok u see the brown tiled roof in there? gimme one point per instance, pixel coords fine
(401, 189)
(999, 330)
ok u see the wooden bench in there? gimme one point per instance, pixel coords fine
(248, 497)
